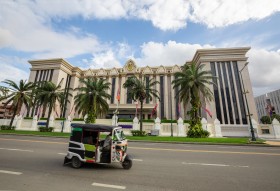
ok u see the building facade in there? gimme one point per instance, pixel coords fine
(268, 104)
(225, 63)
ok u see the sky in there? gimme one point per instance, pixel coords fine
(106, 33)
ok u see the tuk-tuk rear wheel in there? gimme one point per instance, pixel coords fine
(76, 163)
(127, 164)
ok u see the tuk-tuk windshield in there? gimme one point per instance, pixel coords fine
(119, 134)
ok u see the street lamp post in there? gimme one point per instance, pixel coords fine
(171, 108)
(248, 110)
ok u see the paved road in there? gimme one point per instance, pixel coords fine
(35, 163)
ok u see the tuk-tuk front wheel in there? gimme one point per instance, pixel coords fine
(76, 163)
(127, 163)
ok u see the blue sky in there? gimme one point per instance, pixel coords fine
(107, 33)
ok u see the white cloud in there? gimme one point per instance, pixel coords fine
(218, 13)
(264, 70)
(10, 69)
(23, 29)
(171, 53)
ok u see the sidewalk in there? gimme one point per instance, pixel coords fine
(273, 142)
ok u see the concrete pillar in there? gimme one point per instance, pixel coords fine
(157, 125)
(136, 124)
(67, 125)
(51, 123)
(204, 124)
(217, 126)
(34, 123)
(276, 128)
(255, 127)
(115, 120)
(181, 128)
(15, 121)
(19, 121)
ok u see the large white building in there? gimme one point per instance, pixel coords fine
(265, 103)
(228, 106)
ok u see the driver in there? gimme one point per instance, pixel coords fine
(107, 142)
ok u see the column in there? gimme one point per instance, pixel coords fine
(158, 89)
(166, 97)
(123, 91)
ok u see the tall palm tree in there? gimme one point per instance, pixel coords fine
(20, 94)
(3, 91)
(192, 83)
(141, 90)
(91, 98)
(48, 94)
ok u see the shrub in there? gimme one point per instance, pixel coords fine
(168, 121)
(196, 131)
(63, 118)
(148, 120)
(138, 133)
(7, 127)
(265, 120)
(125, 120)
(275, 116)
(28, 118)
(78, 119)
(45, 129)
(43, 118)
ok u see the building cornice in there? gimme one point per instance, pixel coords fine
(56, 63)
(220, 54)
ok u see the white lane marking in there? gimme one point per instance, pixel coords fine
(16, 150)
(109, 186)
(61, 153)
(10, 172)
(137, 160)
(221, 165)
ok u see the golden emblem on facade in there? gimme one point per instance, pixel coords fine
(130, 66)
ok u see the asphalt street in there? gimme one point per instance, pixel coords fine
(36, 163)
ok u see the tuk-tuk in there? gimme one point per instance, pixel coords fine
(86, 145)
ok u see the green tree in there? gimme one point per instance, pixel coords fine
(3, 91)
(19, 94)
(47, 95)
(140, 90)
(192, 83)
(92, 98)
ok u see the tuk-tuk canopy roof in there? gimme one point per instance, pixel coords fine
(94, 127)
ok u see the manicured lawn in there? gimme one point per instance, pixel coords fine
(51, 134)
(148, 138)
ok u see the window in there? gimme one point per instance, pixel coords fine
(113, 90)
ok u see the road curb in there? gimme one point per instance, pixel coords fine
(144, 141)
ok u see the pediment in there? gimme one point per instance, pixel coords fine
(161, 70)
(176, 68)
(101, 72)
(114, 71)
(130, 66)
(147, 70)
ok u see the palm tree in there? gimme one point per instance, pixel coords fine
(141, 90)
(92, 97)
(48, 94)
(3, 91)
(192, 84)
(20, 94)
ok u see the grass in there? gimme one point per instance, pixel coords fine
(148, 138)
